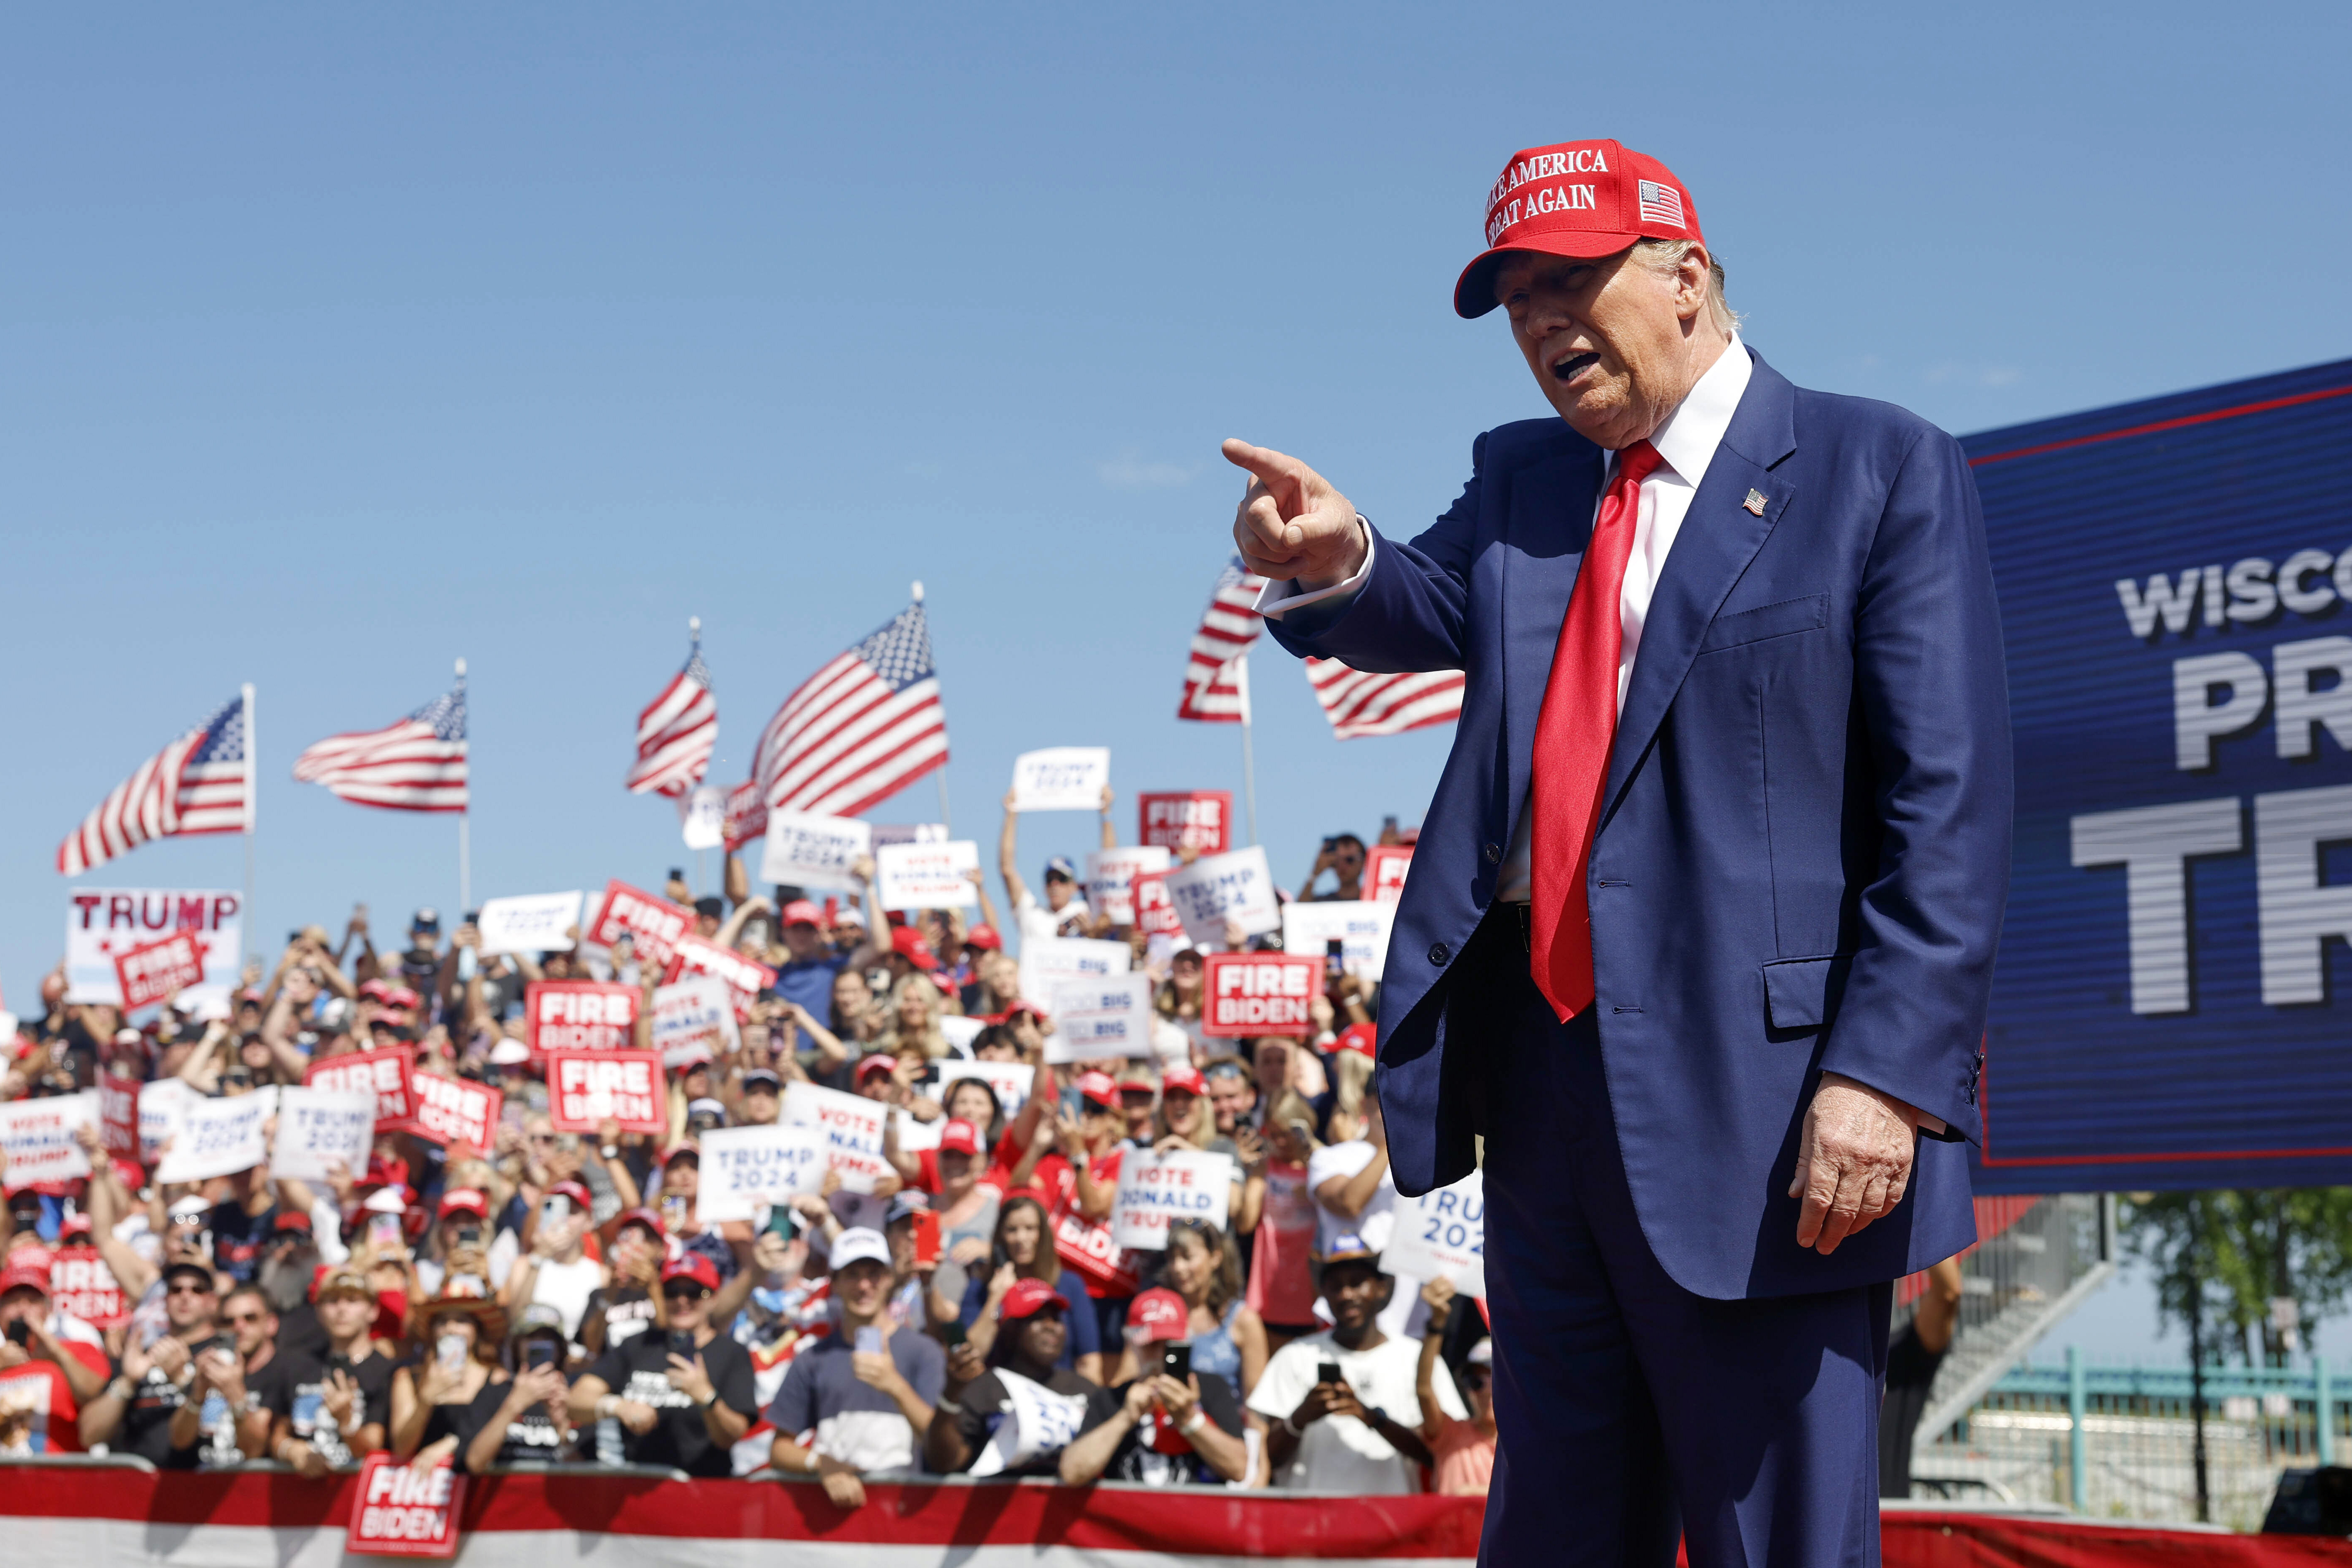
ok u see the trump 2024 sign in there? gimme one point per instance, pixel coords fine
(2171, 1002)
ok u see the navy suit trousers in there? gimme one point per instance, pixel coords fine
(1629, 1408)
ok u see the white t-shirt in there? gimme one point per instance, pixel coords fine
(1379, 1216)
(1038, 922)
(566, 1286)
(1339, 1453)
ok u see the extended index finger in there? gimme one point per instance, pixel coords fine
(1284, 477)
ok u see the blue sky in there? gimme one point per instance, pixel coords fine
(337, 344)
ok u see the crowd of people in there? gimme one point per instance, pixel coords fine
(556, 1297)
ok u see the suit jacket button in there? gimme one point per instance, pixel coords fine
(1494, 853)
(1438, 954)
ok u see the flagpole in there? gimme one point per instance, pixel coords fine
(1249, 766)
(465, 815)
(939, 773)
(252, 800)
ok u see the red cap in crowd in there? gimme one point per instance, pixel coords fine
(647, 1218)
(908, 944)
(1574, 198)
(801, 912)
(959, 1137)
(1159, 1314)
(691, 1266)
(1028, 1298)
(28, 1270)
(74, 1224)
(290, 1219)
(1182, 1078)
(1099, 1088)
(582, 1199)
(985, 938)
(880, 1061)
(683, 1146)
(1362, 1038)
(465, 1200)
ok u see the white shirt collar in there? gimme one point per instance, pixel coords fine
(1688, 439)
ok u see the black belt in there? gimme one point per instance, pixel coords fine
(1526, 926)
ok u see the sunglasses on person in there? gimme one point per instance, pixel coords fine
(187, 1288)
(685, 1292)
(240, 1318)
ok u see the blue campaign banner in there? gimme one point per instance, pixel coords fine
(2173, 1003)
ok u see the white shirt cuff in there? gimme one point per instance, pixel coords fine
(1278, 599)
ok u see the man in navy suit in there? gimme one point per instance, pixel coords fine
(1702, 919)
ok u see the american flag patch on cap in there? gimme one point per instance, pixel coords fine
(1661, 205)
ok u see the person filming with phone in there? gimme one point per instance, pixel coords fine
(1172, 1426)
(861, 1398)
(681, 1391)
(1341, 1408)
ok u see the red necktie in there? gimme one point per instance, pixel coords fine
(1573, 733)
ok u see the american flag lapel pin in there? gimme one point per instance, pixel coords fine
(1754, 503)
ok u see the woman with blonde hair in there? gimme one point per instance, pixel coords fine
(911, 1026)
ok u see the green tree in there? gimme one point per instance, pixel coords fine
(2219, 1258)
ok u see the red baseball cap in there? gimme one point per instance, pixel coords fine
(880, 1061)
(1026, 1298)
(908, 944)
(582, 1199)
(1574, 198)
(1362, 1038)
(464, 1200)
(691, 1266)
(1182, 1078)
(984, 937)
(1100, 1087)
(959, 1137)
(27, 1274)
(1159, 1314)
(801, 912)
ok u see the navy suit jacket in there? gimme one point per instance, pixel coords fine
(1805, 841)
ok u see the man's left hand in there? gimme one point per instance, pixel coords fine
(1854, 1161)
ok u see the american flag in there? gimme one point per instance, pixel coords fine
(862, 728)
(1361, 704)
(416, 765)
(1214, 692)
(1661, 205)
(199, 784)
(676, 731)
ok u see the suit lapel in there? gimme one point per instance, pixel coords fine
(1549, 522)
(1719, 537)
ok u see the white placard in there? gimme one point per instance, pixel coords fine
(1155, 1189)
(927, 875)
(804, 851)
(915, 1135)
(216, 1138)
(1061, 778)
(961, 1032)
(1110, 878)
(909, 833)
(317, 1127)
(1362, 927)
(1048, 960)
(743, 1167)
(1011, 1080)
(694, 1019)
(534, 923)
(159, 1114)
(1216, 888)
(39, 1137)
(1443, 1231)
(1111, 1016)
(104, 921)
(702, 816)
(850, 1126)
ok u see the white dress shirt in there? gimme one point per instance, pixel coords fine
(1686, 442)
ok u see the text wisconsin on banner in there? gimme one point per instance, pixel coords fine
(1260, 994)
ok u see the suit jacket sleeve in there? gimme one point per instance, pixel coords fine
(1935, 704)
(1409, 614)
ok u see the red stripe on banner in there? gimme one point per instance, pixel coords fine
(2182, 422)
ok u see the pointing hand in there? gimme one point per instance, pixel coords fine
(1292, 523)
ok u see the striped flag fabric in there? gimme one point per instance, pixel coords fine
(861, 728)
(1214, 692)
(676, 732)
(1359, 704)
(198, 784)
(415, 764)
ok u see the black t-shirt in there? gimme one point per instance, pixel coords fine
(237, 1237)
(1155, 1453)
(638, 1369)
(1910, 1373)
(534, 1439)
(146, 1428)
(300, 1332)
(987, 1406)
(294, 1385)
(628, 1311)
